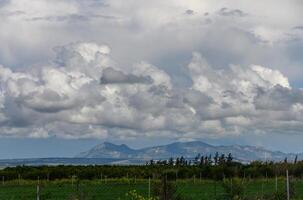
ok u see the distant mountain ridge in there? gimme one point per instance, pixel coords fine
(185, 149)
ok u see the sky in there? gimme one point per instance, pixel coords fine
(77, 73)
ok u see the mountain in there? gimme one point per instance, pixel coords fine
(108, 150)
(66, 161)
(185, 149)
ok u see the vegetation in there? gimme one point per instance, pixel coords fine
(115, 189)
(133, 195)
(218, 167)
(204, 177)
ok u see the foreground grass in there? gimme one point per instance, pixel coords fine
(114, 189)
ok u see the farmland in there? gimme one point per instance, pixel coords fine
(114, 189)
(181, 179)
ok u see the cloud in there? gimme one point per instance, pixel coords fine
(111, 76)
(243, 76)
(85, 93)
(232, 12)
(4, 3)
(278, 98)
(164, 36)
(189, 12)
(298, 27)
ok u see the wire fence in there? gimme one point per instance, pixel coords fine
(115, 189)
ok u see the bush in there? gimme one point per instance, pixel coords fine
(234, 188)
(167, 190)
(133, 195)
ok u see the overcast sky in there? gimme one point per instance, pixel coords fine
(149, 72)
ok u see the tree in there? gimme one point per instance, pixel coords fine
(171, 161)
(196, 160)
(229, 159)
(221, 160)
(216, 158)
(177, 161)
(202, 161)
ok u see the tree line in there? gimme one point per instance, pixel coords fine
(205, 167)
(199, 160)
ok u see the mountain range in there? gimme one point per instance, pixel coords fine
(186, 149)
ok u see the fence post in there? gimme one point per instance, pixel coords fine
(194, 179)
(38, 192)
(72, 180)
(231, 186)
(215, 189)
(149, 187)
(276, 183)
(19, 177)
(287, 185)
(244, 177)
(2, 180)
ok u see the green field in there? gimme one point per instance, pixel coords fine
(115, 189)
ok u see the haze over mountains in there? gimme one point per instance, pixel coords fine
(185, 149)
(108, 153)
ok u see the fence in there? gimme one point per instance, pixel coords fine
(114, 189)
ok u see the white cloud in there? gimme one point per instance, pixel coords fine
(68, 99)
(247, 32)
(242, 82)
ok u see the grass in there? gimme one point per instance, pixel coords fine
(115, 189)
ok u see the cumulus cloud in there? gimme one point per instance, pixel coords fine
(232, 12)
(111, 76)
(189, 12)
(164, 33)
(240, 78)
(84, 93)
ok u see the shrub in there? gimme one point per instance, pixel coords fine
(234, 188)
(167, 190)
(133, 195)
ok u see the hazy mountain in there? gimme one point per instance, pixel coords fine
(185, 149)
(109, 150)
